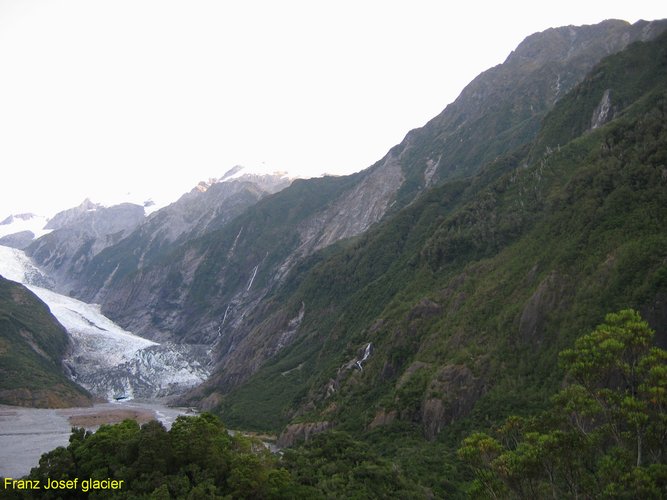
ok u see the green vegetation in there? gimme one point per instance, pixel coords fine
(198, 458)
(32, 345)
(604, 434)
(495, 275)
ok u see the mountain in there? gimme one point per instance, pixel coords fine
(19, 230)
(449, 315)
(32, 346)
(207, 207)
(427, 296)
(213, 289)
(503, 107)
(78, 234)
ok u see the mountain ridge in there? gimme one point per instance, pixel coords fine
(439, 284)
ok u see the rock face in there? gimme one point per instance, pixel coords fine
(550, 296)
(77, 235)
(503, 107)
(453, 393)
(206, 208)
(356, 210)
(604, 112)
(300, 432)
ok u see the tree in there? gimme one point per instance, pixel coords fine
(605, 433)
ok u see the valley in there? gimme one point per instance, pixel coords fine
(407, 330)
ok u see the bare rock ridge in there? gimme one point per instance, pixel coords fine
(503, 107)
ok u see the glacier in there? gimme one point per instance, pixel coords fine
(104, 358)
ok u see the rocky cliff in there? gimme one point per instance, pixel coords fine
(77, 235)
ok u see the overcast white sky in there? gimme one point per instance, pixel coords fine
(102, 98)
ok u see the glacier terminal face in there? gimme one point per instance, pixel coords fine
(104, 358)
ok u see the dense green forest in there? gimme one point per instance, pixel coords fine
(603, 436)
(32, 345)
(198, 458)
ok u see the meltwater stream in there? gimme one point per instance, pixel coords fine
(27, 433)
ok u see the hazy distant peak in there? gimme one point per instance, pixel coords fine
(14, 217)
(262, 175)
(25, 223)
(240, 171)
(231, 172)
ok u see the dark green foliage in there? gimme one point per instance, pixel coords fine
(32, 345)
(604, 435)
(337, 466)
(197, 458)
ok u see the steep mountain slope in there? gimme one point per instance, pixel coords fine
(207, 207)
(192, 292)
(102, 357)
(209, 290)
(32, 346)
(77, 235)
(455, 308)
(502, 108)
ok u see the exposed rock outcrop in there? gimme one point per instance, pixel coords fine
(549, 297)
(301, 432)
(77, 235)
(452, 395)
(604, 112)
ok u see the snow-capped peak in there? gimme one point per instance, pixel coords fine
(262, 169)
(18, 223)
(262, 175)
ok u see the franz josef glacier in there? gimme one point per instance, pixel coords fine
(105, 359)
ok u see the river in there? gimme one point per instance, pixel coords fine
(27, 433)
